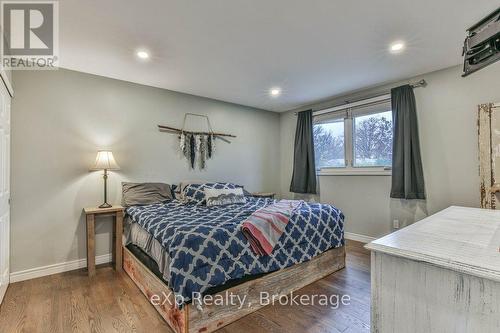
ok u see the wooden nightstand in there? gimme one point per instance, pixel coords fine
(269, 195)
(91, 214)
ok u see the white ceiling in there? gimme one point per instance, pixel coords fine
(236, 50)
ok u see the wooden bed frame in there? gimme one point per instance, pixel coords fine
(211, 318)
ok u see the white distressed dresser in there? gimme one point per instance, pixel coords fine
(441, 274)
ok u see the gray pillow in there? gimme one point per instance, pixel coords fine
(137, 194)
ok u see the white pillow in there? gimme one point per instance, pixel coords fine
(220, 197)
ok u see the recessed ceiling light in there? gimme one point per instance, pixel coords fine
(275, 92)
(142, 54)
(397, 47)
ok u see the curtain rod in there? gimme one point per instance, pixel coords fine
(421, 83)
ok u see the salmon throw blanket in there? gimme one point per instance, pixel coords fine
(265, 226)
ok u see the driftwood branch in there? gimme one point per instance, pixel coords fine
(177, 130)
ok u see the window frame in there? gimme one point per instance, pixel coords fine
(350, 169)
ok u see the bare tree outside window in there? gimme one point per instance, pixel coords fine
(373, 139)
(329, 145)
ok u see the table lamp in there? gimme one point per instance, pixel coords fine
(105, 161)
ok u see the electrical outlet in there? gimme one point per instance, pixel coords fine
(395, 224)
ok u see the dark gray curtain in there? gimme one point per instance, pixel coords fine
(304, 170)
(407, 174)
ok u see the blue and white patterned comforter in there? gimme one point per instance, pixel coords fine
(207, 248)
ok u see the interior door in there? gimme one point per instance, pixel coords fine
(489, 155)
(495, 150)
(4, 188)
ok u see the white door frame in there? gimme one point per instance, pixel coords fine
(6, 93)
(6, 81)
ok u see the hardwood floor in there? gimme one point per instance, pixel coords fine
(71, 302)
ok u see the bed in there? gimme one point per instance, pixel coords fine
(176, 252)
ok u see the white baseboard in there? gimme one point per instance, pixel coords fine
(358, 237)
(37, 272)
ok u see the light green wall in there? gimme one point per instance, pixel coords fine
(447, 115)
(59, 120)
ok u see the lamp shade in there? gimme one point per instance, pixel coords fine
(105, 161)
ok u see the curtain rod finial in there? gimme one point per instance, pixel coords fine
(421, 83)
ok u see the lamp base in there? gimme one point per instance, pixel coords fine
(105, 205)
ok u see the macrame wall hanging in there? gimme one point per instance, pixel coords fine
(196, 146)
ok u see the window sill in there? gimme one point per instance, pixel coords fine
(354, 172)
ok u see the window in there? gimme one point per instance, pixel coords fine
(354, 141)
(372, 140)
(329, 149)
